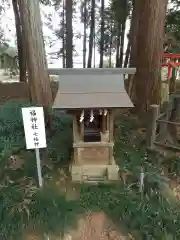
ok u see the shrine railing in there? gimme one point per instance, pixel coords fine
(158, 128)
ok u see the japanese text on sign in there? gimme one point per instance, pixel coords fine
(34, 128)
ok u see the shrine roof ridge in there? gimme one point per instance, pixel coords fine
(91, 71)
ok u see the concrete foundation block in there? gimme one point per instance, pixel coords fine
(91, 173)
(113, 172)
(94, 170)
(76, 173)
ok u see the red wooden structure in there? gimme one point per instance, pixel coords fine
(169, 60)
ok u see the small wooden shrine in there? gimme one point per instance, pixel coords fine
(92, 96)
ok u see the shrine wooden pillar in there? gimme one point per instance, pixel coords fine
(82, 131)
(111, 134)
(104, 124)
(75, 129)
(108, 121)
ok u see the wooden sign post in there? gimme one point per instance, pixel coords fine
(34, 128)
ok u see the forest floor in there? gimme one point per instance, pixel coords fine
(86, 212)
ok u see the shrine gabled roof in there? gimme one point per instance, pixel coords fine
(92, 88)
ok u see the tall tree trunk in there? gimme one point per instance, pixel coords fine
(150, 45)
(134, 29)
(94, 47)
(69, 34)
(122, 43)
(36, 58)
(20, 42)
(110, 43)
(94, 39)
(118, 46)
(110, 49)
(102, 35)
(128, 50)
(91, 35)
(85, 34)
(125, 15)
(63, 40)
(132, 46)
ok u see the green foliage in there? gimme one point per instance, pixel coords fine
(172, 28)
(172, 22)
(176, 3)
(115, 14)
(120, 9)
(110, 32)
(24, 206)
(12, 138)
(51, 213)
(60, 144)
(12, 132)
(151, 214)
(21, 204)
(11, 217)
(150, 217)
(172, 164)
(11, 125)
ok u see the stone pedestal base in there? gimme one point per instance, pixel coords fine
(94, 173)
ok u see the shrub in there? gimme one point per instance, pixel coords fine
(52, 213)
(11, 125)
(12, 137)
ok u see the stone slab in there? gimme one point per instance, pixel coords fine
(113, 172)
(81, 173)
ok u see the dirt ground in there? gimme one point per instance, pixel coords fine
(92, 226)
(96, 226)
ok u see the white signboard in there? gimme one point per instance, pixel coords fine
(34, 127)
